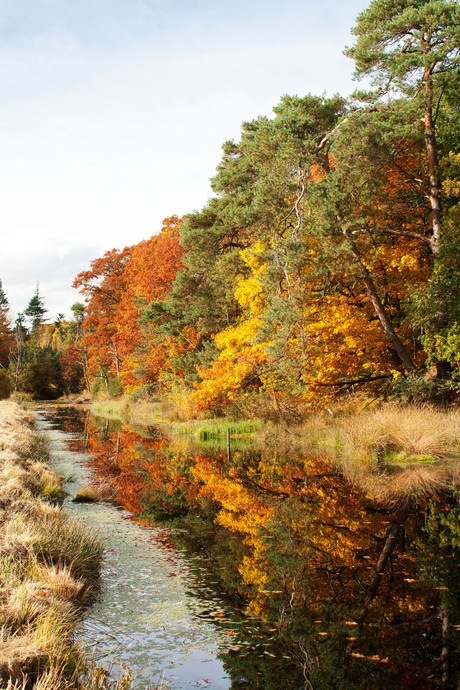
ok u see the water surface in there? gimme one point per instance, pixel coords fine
(161, 612)
(254, 571)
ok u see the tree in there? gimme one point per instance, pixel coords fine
(5, 329)
(103, 287)
(6, 343)
(149, 276)
(40, 374)
(412, 47)
(36, 310)
(4, 305)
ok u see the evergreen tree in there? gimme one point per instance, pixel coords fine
(6, 342)
(4, 305)
(36, 310)
(412, 47)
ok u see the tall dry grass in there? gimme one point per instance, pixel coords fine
(392, 452)
(49, 564)
(399, 451)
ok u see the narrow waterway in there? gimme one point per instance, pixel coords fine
(160, 612)
(255, 571)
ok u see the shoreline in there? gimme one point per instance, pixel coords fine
(49, 564)
(391, 451)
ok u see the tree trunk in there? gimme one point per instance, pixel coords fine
(380, 566)
(443, 615)
(84, 363)
(382, 315)
(433, 164)
(386, 552)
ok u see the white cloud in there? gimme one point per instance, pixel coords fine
(112, 115)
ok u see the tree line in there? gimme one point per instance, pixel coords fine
(327, 258)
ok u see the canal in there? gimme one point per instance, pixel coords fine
(251, 572)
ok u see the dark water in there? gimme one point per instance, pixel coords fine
(162, 612)
(254, 572)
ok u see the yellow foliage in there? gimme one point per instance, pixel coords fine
(240, 356)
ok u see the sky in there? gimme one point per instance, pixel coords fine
(113, 114)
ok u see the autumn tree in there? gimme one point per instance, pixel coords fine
(118, 346)
(411, 50)
(333, 281)
(149, 276)
(103, 288)
(412, 47)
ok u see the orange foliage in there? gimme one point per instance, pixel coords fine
(149, 276)
(103, 287)
(116, 288)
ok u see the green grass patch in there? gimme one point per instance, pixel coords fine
(401, 458)
(116, 409)
(217, 429)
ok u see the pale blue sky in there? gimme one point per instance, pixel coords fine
(113, 112)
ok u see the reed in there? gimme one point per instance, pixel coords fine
(49, 564)
(392, 452)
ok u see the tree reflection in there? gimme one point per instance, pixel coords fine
(301, 548)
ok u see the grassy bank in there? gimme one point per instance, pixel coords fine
(49, 570)
(390, 450)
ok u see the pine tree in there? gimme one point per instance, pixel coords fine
(36, 310)
(4, 305)
(412, 48)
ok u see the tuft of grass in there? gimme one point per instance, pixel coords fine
(59, 580)
(65, 542)
(49, 564)
(392, 452)
(86, 494)
(218, 429)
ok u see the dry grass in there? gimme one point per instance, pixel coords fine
(413, 429)
(399, 451)
(392, 452)
(49, 564)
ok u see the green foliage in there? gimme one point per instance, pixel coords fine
(36, 310)
(436, 307)
(106, 384)
(145, 393)
(6, 385)
(3, 298)
(40, 373)
(399, 40)
(415, 388)
(444, 526)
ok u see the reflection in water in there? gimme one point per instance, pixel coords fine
(265, 576)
